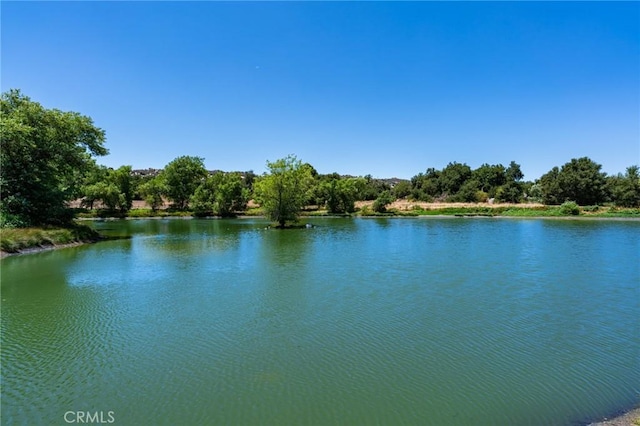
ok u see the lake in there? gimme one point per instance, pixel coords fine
(420, 321)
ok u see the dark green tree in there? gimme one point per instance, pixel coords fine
(401, 189)
(221, 194)
(550, 187)
(372, 188)
(489, 178)
(384, 199)
(182, 176)
(579, 180)
(513, 189)
(340, 194)
(283, 191)
(249, 178)
(453, 177)
(426, 186)
(467, 193)
(44, 157)
(625, 189)
(513, 172)
(510, 192)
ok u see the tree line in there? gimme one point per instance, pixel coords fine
(48, 159)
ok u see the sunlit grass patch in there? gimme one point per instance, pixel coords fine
(13, 240)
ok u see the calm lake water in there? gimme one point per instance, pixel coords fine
(354, 322)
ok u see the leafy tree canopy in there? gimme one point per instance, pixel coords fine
(283, 191)
(384, 199)
(579, 180)
(453, 177)
(44, 157)
(112, 187)
(181, 177)
(222, 194)
(153, 191)
(625, 189)
(340, 193)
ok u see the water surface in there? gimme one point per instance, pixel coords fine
(354, 322)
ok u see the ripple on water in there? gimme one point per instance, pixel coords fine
(364, 322)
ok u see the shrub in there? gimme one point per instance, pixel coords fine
(481, 196)
(380, 204)
(570, 208)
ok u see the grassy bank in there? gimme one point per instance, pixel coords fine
(421, 209)
(15, 240)
(513, 211)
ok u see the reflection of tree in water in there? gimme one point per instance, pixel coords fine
(281, 306)
(286, 247)
(184, 238)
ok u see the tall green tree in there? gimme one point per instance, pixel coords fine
(489, 178)
(108, 193)
(469, 192)
(401, 189)
(89, 192)
(453, 177)
(372, 188)
(513, 189)
(579, 180)
(44, 157)
(222, 194)
(625, 189)
(112, 187)
(340, 193)
(283, 191)
(153, 192)
(182, 176)
(426, 186)
(123, 180)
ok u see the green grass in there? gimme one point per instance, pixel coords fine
(13, 240)
(254, 211)
(544, 211)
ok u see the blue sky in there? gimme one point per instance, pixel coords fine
(384, 88)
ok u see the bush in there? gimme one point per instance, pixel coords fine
(8, 220)
(380, 204)
(481, 196)
(570, 208)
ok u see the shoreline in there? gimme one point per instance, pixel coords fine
(627, 418)
(390, 216)
(39, 249)
(48, 247)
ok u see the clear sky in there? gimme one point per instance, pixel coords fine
(384, 88)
